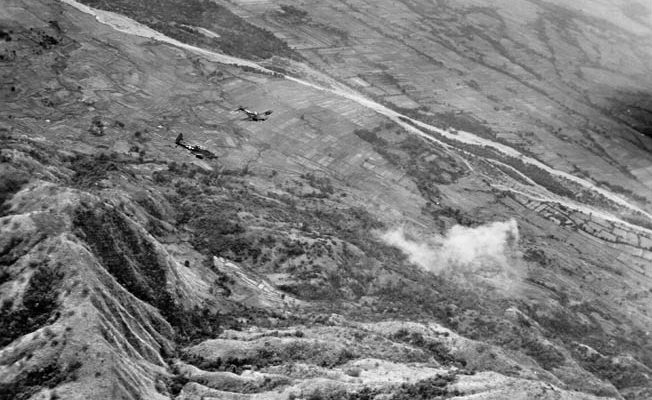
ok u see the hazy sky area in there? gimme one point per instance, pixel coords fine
(633, 16)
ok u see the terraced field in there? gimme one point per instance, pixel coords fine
(569, 84)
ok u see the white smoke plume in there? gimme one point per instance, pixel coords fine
(489, 249)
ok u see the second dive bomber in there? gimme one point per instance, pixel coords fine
(197, 150)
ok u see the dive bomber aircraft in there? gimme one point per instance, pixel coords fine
(253, 115)
(197, 150)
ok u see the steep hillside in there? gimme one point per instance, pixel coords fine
(338, 250)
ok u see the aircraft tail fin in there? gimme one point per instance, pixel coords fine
(179, 139)
(268, 112)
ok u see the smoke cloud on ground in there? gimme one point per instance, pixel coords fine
(489, 250)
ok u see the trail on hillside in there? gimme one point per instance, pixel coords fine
(127, 25)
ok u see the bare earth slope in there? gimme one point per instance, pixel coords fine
(331, 252)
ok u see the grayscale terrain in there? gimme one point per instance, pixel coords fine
(450, 199)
